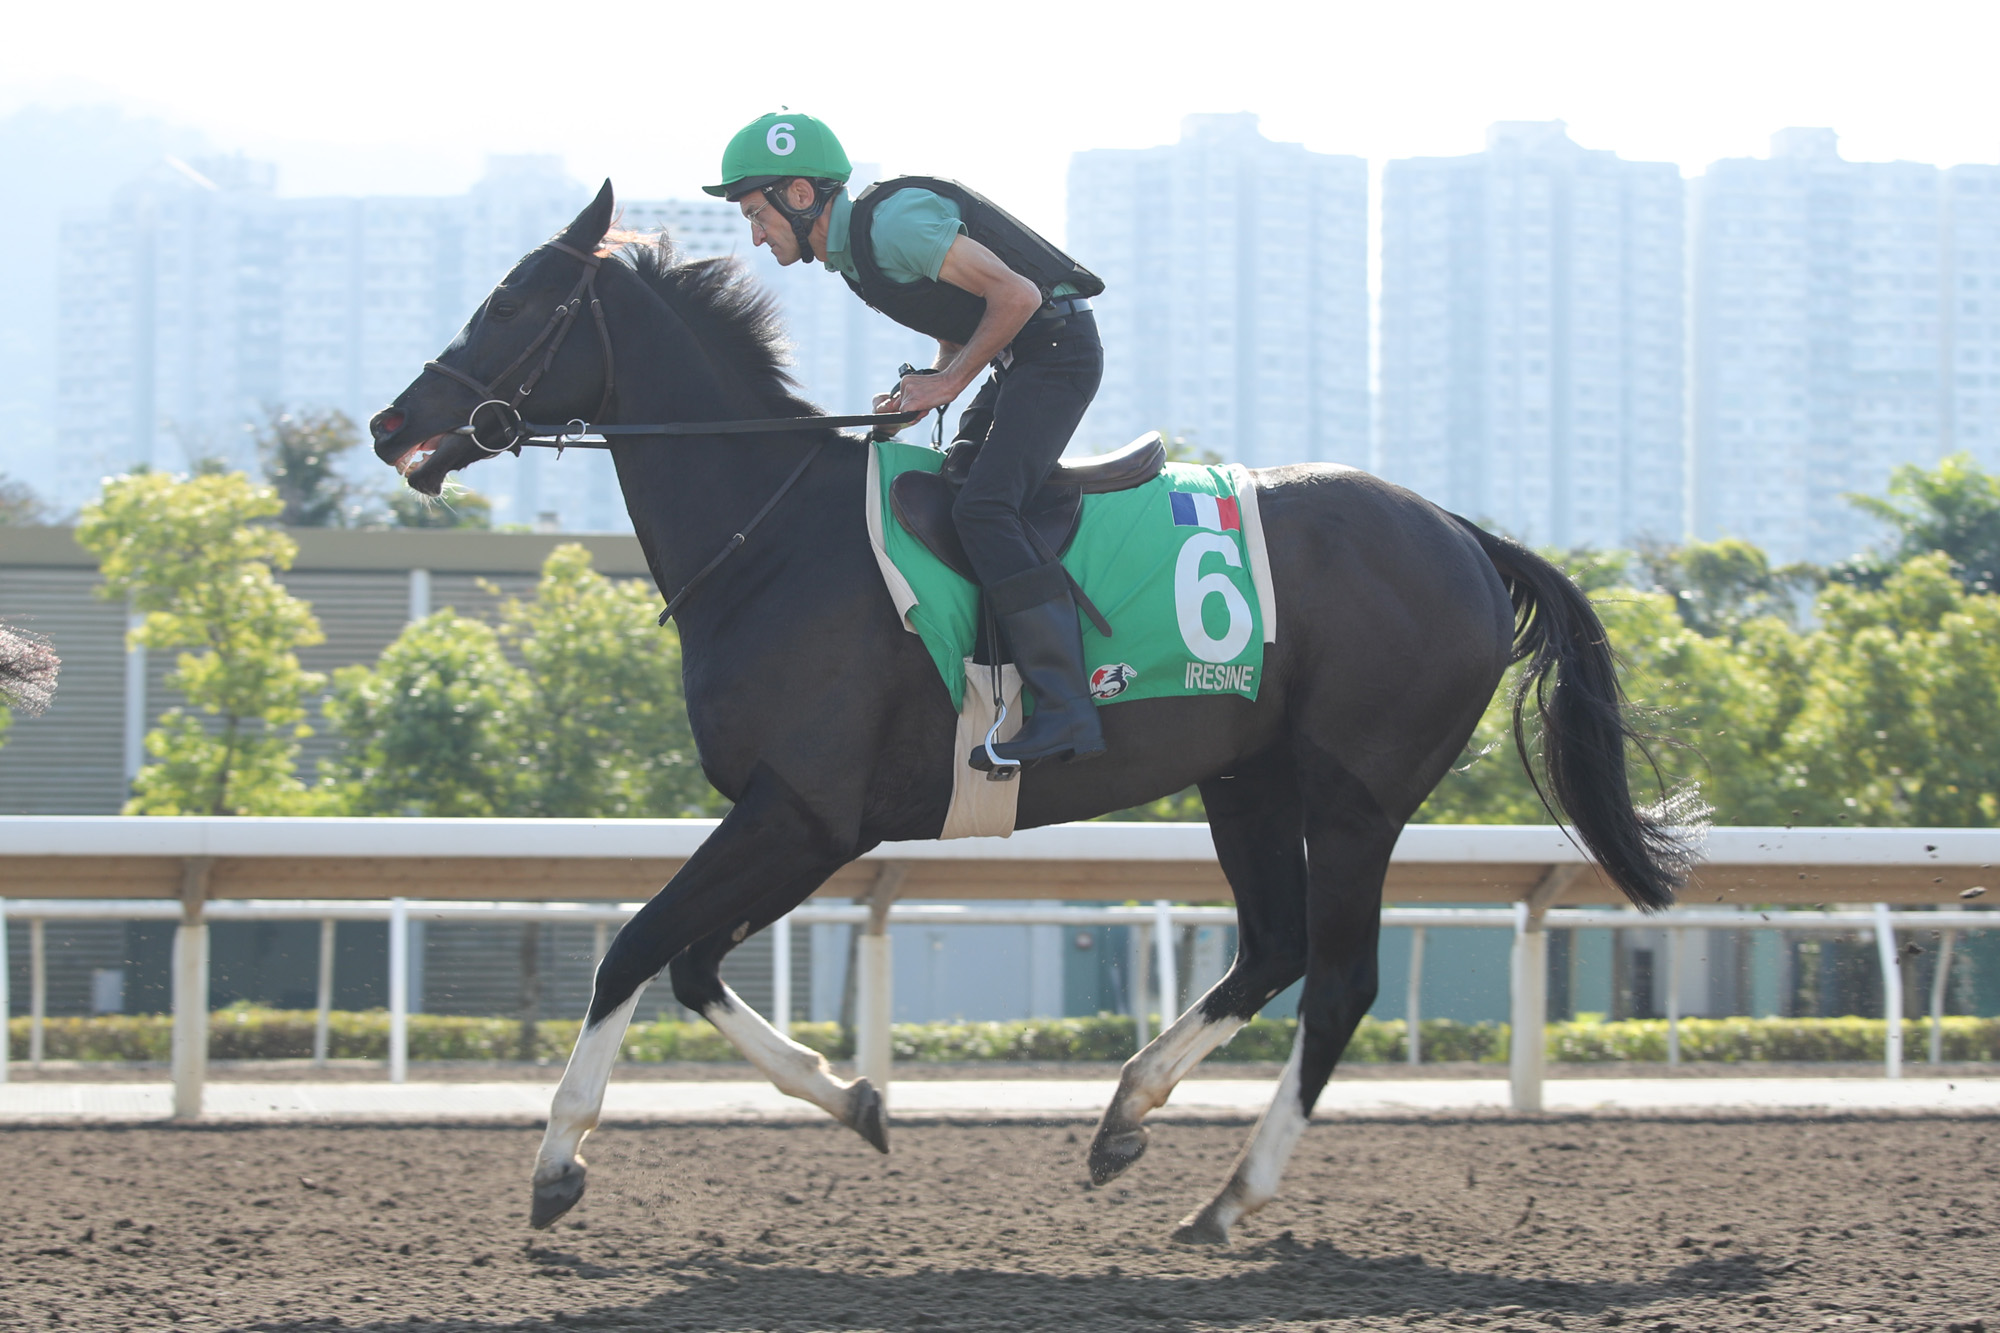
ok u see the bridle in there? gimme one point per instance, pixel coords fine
(504, 413)
(551, 338)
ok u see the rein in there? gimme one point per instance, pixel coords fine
(504, 414)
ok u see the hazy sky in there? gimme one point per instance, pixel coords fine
(369, 96)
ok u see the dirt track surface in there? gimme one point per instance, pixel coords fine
(1665, 1226)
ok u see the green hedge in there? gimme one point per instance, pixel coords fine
(245, 1033)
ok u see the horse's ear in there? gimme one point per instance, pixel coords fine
(588, 230)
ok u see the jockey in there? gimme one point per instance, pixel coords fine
(941, 259)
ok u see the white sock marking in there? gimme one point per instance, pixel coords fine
(580, 1095)
(795, 1070)
(1254, 1182)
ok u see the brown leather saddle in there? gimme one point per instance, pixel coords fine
(921, 501)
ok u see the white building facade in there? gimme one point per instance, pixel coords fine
(199, 300)
(1532, 338)
(1235, 310)
(1972, 312)
(1822, 338)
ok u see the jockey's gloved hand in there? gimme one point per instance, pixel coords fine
(886, 402)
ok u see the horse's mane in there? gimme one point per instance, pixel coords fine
(738, 319)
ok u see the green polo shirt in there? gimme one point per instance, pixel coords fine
(912, 231)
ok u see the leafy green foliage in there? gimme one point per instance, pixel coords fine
(1719, 587)
(432, 728)
(245, 1032)
(1953, 508)
(301, 454)
(19, 505)
(607, 729)
(571, 707)
(194, 556)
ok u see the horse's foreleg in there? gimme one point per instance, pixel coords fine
(1260, 840)
(559, 1166)
(795, 1070)
(767, 838)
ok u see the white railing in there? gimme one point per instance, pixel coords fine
(1156, 923)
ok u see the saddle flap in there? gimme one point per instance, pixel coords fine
(1120, 470)
(921, 502)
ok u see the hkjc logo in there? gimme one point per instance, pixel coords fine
(1108, 682)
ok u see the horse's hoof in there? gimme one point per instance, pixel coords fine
(867, 1117)
(556, 1196)
(1111, 1153)
(1202, 1228)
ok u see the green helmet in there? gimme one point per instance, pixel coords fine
(777, 147)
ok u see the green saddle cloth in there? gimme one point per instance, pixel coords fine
(1177, 566)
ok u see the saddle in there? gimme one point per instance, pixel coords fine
(921, 501)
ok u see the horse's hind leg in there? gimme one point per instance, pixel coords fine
(1259, 832)
(766, 839)
(1348, 842)
(795, 1070)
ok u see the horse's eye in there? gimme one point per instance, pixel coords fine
(503, 308)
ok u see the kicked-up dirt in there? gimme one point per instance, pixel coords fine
(1660, 1225)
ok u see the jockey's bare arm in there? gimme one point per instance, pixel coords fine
(1010, 300)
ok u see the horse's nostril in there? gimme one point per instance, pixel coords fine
(387, 423)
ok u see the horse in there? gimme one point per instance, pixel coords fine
(1397, 624)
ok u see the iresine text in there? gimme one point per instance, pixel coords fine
(1210, 676)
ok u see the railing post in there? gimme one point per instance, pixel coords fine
(1527, 1040)
(323, 1002)
(1892, 993)
(6, 998)
(1166, 964)
(1413, 1042)
(1135, 989)
(190, 1051)
(874, 1050)
(781, 974)
(1527, 1050)
(1673, 997)
(399, 990)
(1938, 993)
(38, 989)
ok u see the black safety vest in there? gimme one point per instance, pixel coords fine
(943, 311)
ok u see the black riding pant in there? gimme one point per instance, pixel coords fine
(1024, 415)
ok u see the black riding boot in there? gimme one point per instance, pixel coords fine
(1038, 622)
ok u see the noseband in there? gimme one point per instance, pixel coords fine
(504, 412)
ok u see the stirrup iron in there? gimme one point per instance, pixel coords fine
(1003, 770)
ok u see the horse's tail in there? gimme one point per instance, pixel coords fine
(1586, 725)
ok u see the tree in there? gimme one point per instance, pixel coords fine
(28, 667)
(301, 455)
(606, 733)
(587, 720)
(432, 728)
(19, 505)
(1953, 508)
(1718, 587)
(193, 555)
(1900, 719)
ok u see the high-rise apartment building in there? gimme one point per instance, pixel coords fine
(1531, 338)
(1820, 338)
(1972, 312)
(198, 300)
(1235, 310)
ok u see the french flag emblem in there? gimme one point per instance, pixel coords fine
(1198, 509)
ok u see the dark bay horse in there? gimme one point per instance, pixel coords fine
(1396, 621)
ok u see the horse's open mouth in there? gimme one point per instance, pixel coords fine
(419, 454)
